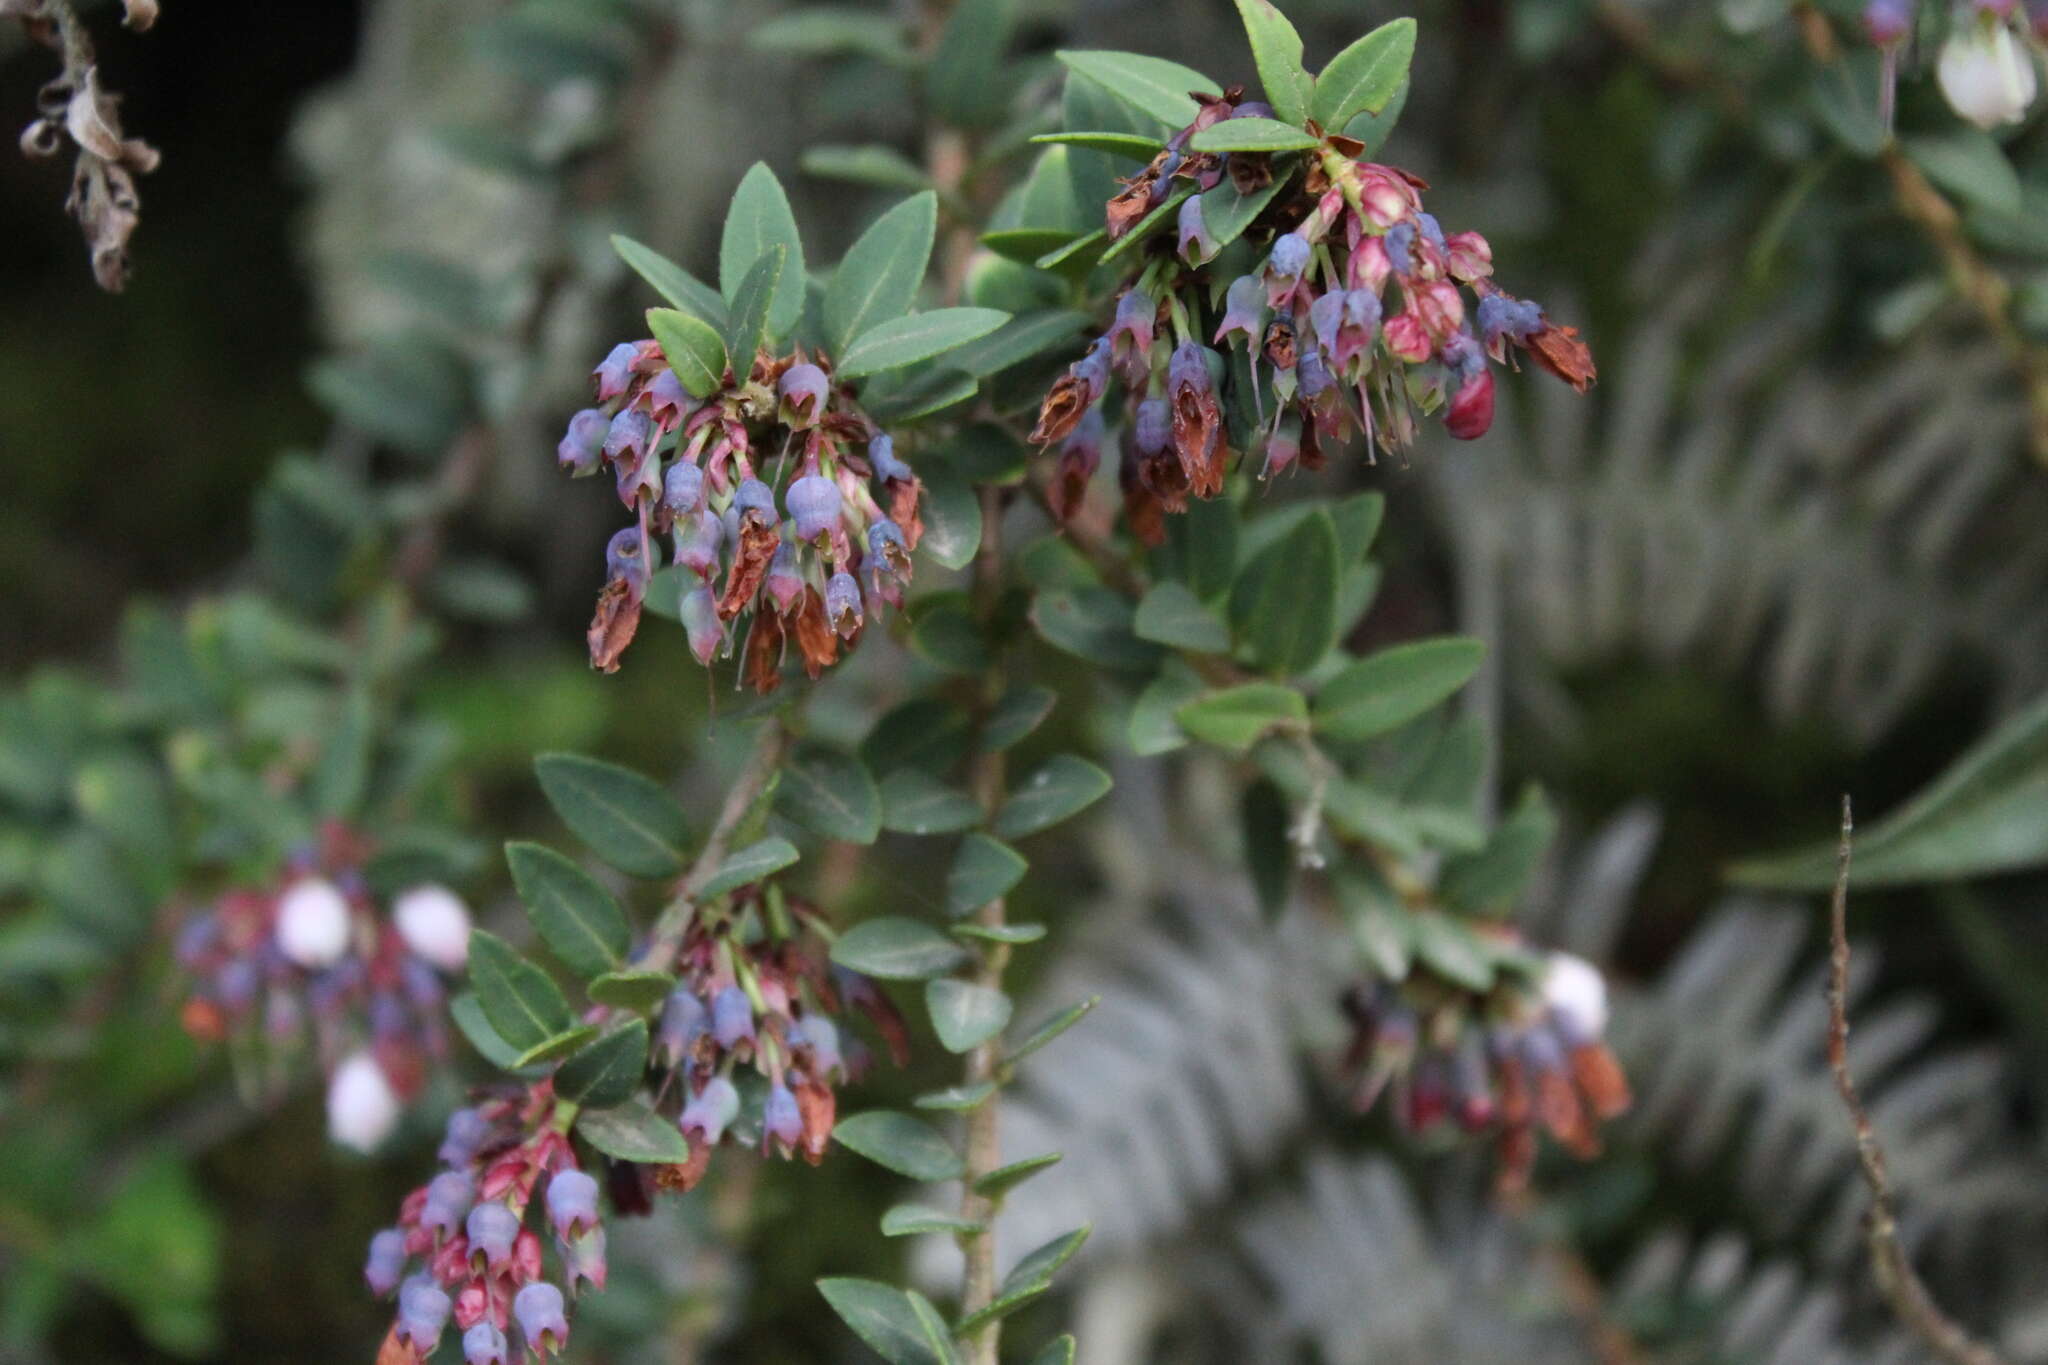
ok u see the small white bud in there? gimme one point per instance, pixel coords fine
(1985, 74)
(313, 923)
(1577, 994)
(434, 923)
(362, 1108)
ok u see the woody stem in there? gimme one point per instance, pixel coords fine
(740, 797)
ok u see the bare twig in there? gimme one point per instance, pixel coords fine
(740, 797)
(1900, 1284)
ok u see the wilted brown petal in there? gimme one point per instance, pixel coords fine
(905, 501)
(1197, 436)
(1144, 515)
(612, 627)
(1280, 343)
(761, 661)
(682, 1177)
(1250, 172)
(1061, 411)
(91, 121)
(1559, 350)
(1601, 1080)
(818, 1107)
(749, 566)
(1130, 204)
(1069, 485)
(814, 637)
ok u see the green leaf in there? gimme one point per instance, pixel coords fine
(1059, 1351)
(906, 1220)
(763, 858)
(879, 277)
(626, 819)
(1226, 213)
(834, 31)
(1022, 245)
(924, 732)
(1375, 129)
(1380, 925)
(1155, 221)
(906, 1145)
(1283, 606)
(609, 1070)
(952, 517)
(1385, 691)
(915, 802)
(1451, 950)
(1135, 146)
(758, 220)
(966, 79)
(693, 349)
(897, 949)
(1095, 624)
(1969, 164)
(640, 991)
(555, 1048)
(1357, 519)
(1152, 728)
(671, 281)
(946, 635)
(581, 922)
(1251, 135)
(1003, 1179)
(344, 768)
(1012, 934)
(984, 870)
(886, 1319)
(1489, 881)
(957, 1099)
(1988, 813)
(965, 1015)
(523, 1005)
(868, 164)
(1171, 614)
(1363, 78)
(468, 1015)
(1022, 337)
(920, 394)
(1151, 85)
(1051, 1029)
(1276, 50)
(1077, 257)
(633, 1132)
(1038, 1266)
(751, 306)
(1269, 853)
(831, 794)
(1238, 717)
(920, 336)
(1062, 788)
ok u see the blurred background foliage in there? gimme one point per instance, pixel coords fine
(1791, 547)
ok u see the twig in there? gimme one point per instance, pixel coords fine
(1896, 1279)
(746, 789)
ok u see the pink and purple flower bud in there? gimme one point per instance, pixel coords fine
(701, 624)
(683, 1017)
(1130, 335)
(1197, 243)
(1152, 426)
(1289, 257)
(804, 391)
(449, 1196)
(626, 558)
(464, 1136)
(842, 604)
(1326, 319)
(1887, 22)
(630, 436)
(821, 1036)
(882, 459)
(668, 402)
(583, 1261)
(888, 560)
(781, 1121)
(484, 1344)
(537, 1309)
(1313, 374)
(1244, 310)
(1399, 244)
(755, 502)
(732, 1018)
(1470, 413)
(582, 445)
(699, 536)
(422, 1313)
(785, 583)
(572, 1203)
(682, 488)
(1091, 372)
(1283, 447)
(813, 503)
(1469, 257)
(491, 1228)
(709, 1111)
(615, 372)
(385, 1266)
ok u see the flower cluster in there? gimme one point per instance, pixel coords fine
(757, 993)
(705, 474)
(309, 957)
(467, 1229)
(1520, 1057)
(1985, 70)
(1357, 317)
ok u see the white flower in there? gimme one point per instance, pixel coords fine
(1984, 73)
(434, 923)
(313, 923)
(362, 1108)
(1577, 994)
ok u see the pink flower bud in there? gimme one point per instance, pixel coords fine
(313, 923)
(434, 923)
(1471, 411)
(362, 1108)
